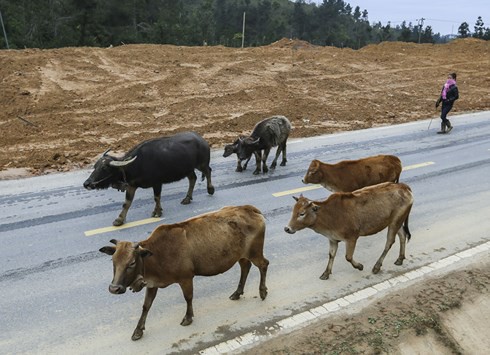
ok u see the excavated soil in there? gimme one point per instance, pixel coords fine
(61, 108)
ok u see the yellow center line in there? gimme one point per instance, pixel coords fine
(316, 186)
(124, 226)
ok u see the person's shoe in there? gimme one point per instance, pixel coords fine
(449, 127)
(443, 128)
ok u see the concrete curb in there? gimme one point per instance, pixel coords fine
(305, 318)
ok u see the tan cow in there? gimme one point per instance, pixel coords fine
(345, 216)
(350, 175)
(205, 245)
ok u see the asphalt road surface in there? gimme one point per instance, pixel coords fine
(54, 282)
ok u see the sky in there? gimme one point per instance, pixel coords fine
(444, 16)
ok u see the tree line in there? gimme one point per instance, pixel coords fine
(62, 23)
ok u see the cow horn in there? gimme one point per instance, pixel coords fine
(119, 164)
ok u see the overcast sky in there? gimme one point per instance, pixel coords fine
(444, 16)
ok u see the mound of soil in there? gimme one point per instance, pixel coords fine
(61, 108)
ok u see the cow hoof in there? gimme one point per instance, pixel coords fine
(137, 334)
(186, 200)
(185, 322)
(211, 190)
(324, 277)
(376, 269)
(118, 222)
(263, 294)
(360, 267)
(399, 262)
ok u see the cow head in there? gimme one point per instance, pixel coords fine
(314, 174)
(246, 146)
(304, 215)
(127, 260)
(107, 172)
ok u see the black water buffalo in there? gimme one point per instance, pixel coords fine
(152, 163)
(270, 132)
(233, 148)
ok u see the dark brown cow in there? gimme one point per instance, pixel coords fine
(205, 245)
(345, 216)
(351, 175)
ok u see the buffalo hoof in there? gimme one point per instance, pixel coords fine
(137, 334)
(256, 172)
(265, 169)
(157, 213)
(263, 294)
(118, 222)
(283, 163)
(399, 261)
(211, 190)
(273, 166)
(238, 169)
(186, 321)
(186, 200)
(236, 295)
(324, 276)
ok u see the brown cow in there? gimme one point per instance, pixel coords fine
(345, 216)
(351, 175)
(205, 245)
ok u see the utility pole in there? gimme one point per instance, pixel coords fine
(243, 30)
(421, 23)
(4, 32)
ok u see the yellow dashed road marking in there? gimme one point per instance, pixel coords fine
(314, 187)
(124, 226)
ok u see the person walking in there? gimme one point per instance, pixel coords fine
(449, 94)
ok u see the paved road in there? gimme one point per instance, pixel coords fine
(53, 280)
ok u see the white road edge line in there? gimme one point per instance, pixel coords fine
(302, 319)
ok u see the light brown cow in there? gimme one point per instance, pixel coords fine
(205, 245)
(345, 216)
(351, 175)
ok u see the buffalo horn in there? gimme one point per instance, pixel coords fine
(119, 164)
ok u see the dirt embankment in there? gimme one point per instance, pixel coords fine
(62, 107)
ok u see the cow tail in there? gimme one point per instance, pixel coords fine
(405, 228)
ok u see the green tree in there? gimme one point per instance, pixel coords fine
(479, 28)
(464, 30)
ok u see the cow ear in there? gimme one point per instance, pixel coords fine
(109, 250)
(114, 241)
(315, 207)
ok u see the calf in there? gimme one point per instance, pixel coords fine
(345, 216)
(350, 175)
(270, 132)
(233, 148)
(205, 245)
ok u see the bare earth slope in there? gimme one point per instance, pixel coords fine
(61, 108)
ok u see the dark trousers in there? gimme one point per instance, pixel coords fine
(446, 107)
